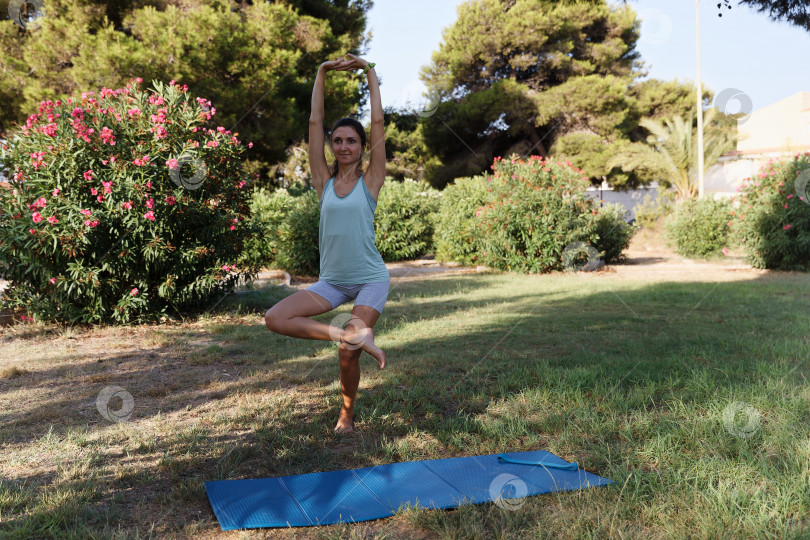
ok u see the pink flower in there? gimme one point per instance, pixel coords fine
(725, 251)
(52, 220)
(150, 203)
(107, 187)
(55, 192)
(52, 280)
(786, 227)
(786, 205)
(150, 215)
(85, 212)
(100, 198)
(226, 268)
(107, 136)
(37, 217)
(39, 203)
(149, 185)
(32, 231)
(241, 184)
(127, 205)
(170, 199)
(172, 163)
(94, 191)
(88, 175)
(233, 227)
(250, 145)
(212, 144)
(87, 222)
(790, 196)
(133, 292)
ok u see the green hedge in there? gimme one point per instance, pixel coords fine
(455, 235)
(404, 219)
(698, 227)
(268, 211)
(613, 232)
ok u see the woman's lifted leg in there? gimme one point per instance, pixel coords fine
(290, 317)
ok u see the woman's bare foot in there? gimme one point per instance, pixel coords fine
(364, 339)
(373, 350)
(345, 422)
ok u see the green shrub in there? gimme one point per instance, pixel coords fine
(772, 216)
(698, 227)
(614, 233)
(537, 208)
(123, 208)
(404, 219)
(455, 236)
(297, 237)
(268, 210)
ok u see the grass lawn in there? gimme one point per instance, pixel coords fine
(692, 396)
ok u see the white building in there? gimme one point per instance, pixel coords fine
(780, 129)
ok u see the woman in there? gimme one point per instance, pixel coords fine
(350, 266)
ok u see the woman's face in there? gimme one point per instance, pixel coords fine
(346, 146)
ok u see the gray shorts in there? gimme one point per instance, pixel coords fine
(372, 294)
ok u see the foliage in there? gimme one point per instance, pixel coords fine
(297, 237)
(455, 235)
(613, 232)
(404, 219)
(772, 217)
(698, 227)
(793, 11)
(538, 77)
(121, 209)
(407, 156)
(648, 212)
(536, 210)
(672, 151)
(267, 213)
(255, 60)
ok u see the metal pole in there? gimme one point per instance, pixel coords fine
(699, 105)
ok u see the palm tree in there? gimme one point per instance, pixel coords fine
(671, 151)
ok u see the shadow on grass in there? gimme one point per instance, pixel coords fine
(489, 369)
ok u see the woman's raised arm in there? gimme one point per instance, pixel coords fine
(318, 167)
(317, 160)
(376, 168)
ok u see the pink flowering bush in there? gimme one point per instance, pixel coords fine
(535, 209)
(122, 207)
(771, 216)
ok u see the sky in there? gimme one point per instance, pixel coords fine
(743, 52)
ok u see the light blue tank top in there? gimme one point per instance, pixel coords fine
(346, 237)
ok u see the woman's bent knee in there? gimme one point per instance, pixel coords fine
(272, 321)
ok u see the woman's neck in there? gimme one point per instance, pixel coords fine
(347, 177)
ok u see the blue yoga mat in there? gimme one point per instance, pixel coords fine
(375, 492)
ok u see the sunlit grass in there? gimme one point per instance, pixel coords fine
(692, 397)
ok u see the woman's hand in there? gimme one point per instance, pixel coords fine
(340, 64)
(354, 62)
